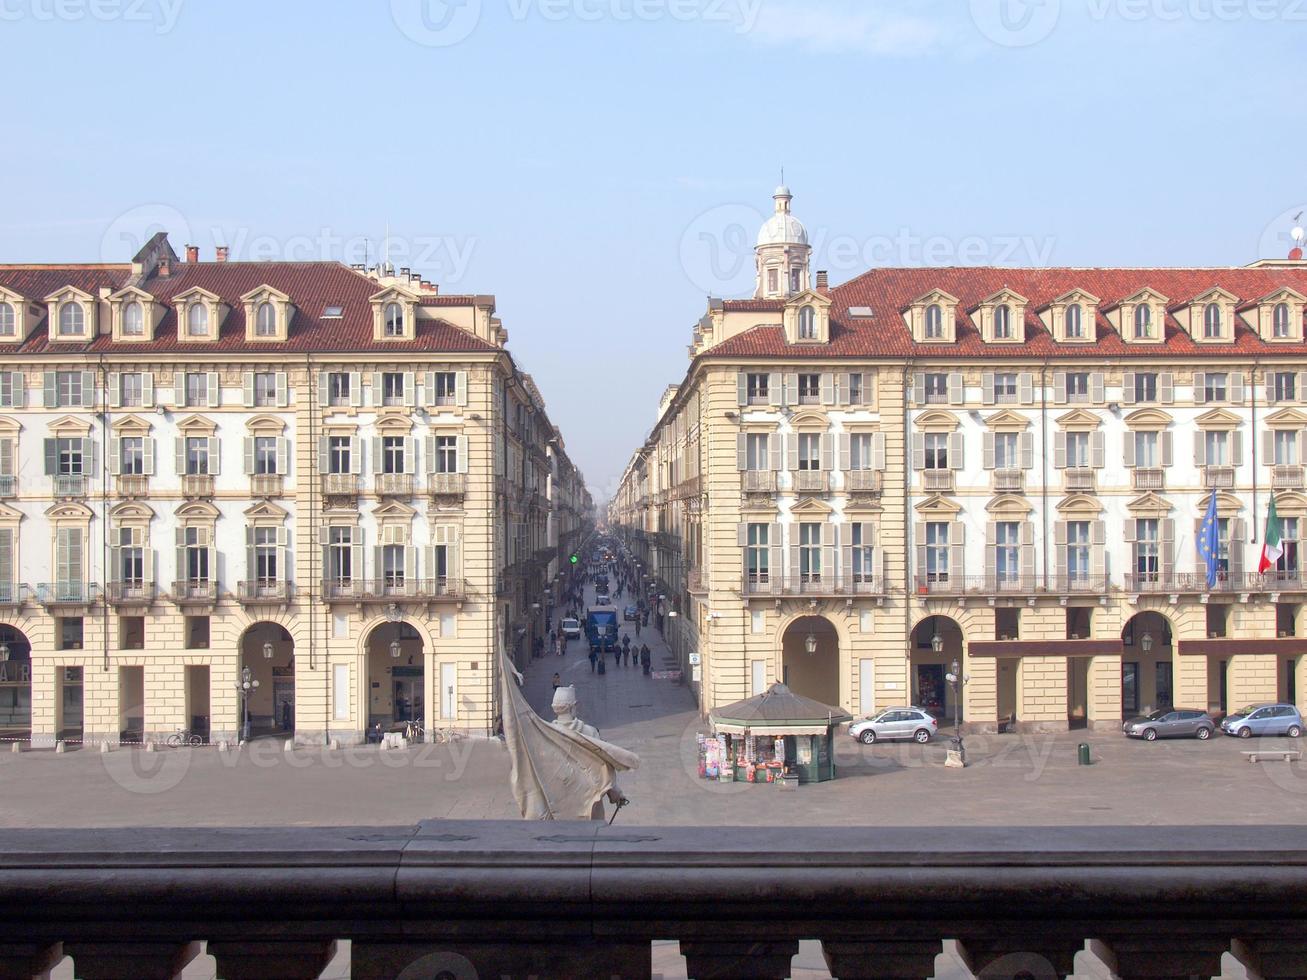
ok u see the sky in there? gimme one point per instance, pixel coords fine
(602, 166)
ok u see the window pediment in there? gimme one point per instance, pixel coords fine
(70, 425)
(937, 420)
(197, 425)
(1140, 318)
(197, 511)
(69, 511)
(131, 512)
(811, 508)
(265, 510)
(939, 507)
(1148, 418)
(1007, 420)
(9, 516)
(395, 423)
(17, 305)
(1072, 318)
(1148, 505)
(130, 425)
(340, 516)
(1279, 316)
(1001, 317)
(1079, 419)
(69, 292)
(806, 318)
(1227, 504)
(860, 505)
(1009, 504)
(1218, 418)
(266, 423)
(9, 427)
(1291, 504)
(394, 510)
(1079, 504)
(1210, 316)
(394, 314)
(1287, 418)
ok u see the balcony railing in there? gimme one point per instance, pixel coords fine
(67, 593)
(133, 485)
(1080, 480)
(843, 584)
(1287, 477)
(811, 481)
(197, 485)
(1009, 481)
(937, 481)
(195, 592)
(14, 593)
(8, 485)
(70, 485)
(863, 481)
(758, 481)
(130, 593)
(957, 584)
(1169, 581)
(390, 588)
(262, 590)
(1218, 477)
(267, 484)
(1148, 478)
(1126, 901)
(340, 484)
(447, 484)
(394, 484)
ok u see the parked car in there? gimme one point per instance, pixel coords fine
(1263, 719)
(896, 723)
(571, 628)
(630, 613)
(1170, 723)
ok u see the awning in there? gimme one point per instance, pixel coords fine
(731, 729)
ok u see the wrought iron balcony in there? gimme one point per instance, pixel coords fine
(197, 485)
(267, 484)
(1287, 477)
(394, 484)
(133, 485)
(1166, 580)
(254, 592)
(1218, 477)
(1148, 478)
(447, 484)
(937, 481)
(8, 485)
(67, 593)
(758, 481)
(14, 593)
(70, 485)
(393, 589)
(1080, 479)
(1009, 481)
(863, 481)
(195, 592)
(811, 481)
(138, 593)
(781, 585)
(340, 484)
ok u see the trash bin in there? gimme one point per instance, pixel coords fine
(1083, 750)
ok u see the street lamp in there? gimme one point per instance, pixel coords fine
(4, 651)
(937, 642)
(246, 686)
(395, 649)
(267, 650)
(1146, 642)
(810, 643)
(958, 680)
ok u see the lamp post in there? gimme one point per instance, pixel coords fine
(1146, 642)
(957, 755)
(810, 643)
(246, 686)
(267, 651)
(4, 651)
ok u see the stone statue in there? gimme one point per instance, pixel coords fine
(564, 706)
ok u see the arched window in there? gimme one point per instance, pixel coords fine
(6, 320)
(934, 321)
(1143, 320)
(1280, 320)
(266, 323)
(394, 320)
(1075, 326)
(1003, 322)
(1212, 321)
(807, 323)
(72, 318)
(133, 319)
(197, 320)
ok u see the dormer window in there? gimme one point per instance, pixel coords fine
(133, 319)
(197, 320)
(934, 322)
(1280, 322)
(1075, 327)
(1070, 318)
(394, 317)
(72, 319)
(265, 323)
(8, 322)
(268, 313)
(1212, 322)
(1003, 322)
(1143, 322)
(807, 323)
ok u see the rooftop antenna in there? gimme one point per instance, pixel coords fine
(385, 247)
(1297, 235)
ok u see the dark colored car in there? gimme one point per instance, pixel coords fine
(1170, 723)
(630, 613)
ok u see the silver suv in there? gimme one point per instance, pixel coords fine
(1263, 719)
(910, 722)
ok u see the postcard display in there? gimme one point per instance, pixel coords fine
(742, 758)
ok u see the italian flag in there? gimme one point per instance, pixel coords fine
(1272, 548)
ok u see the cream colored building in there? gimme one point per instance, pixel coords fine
(335, 478)
(854, 486)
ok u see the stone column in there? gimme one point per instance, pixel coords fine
(1104, 695)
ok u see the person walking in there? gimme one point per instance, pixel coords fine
(646, 659)
(593, 658)
(558, 681)
(637, 627)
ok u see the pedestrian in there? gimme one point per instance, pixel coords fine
(637, 627)
(593, 658)
(646, 659)
(558, 681)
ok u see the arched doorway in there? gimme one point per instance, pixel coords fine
(396, 672)
(1148, 678)
(268, 653)
(810, 659)
(15, 684)
(935, 644)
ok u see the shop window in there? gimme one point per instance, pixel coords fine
(1217, 621)
(1078, 622)
(1007, 624)
(197, 632)
(70, 632)
(131, 632)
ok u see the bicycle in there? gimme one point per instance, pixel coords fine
(184, 736)
(413, 731)
(446, 735)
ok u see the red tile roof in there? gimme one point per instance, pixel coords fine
(888, 291)
(312, 287)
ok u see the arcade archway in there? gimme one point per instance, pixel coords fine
(810, 659)
(15, 684)
(268, 652)
(935, 643)
(396, 673)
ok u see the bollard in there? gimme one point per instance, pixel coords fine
(18, 747)
(333, 744)
(59, 745)
(222, 745)
(104, 747)
(1083, 753)
(149, 747)
(289, 747)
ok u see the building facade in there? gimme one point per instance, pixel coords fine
(335, 479)
(854, 487)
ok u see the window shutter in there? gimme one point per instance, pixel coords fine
(1200, 448)
(179, 389)
(1167, 449)
(1270, 387)
(1097, 552)
(283, 456)
(283, 555)
(878, 451)
(775, 394)
(356, 389)
(1059, 450)
(791, 389)
(845, 451)
(378, 389)
(460, 388)
(250, 563)
(920, 538)
(1166, 387)
(742, 389)
(324, 454)
(115, 390)
(827, 388)
(955, 451)
(1027, 556)
(792, 452)
(989, 451)
(918, 450)
(793, 574)
(6, 457)
(249, 455)
(247, 389)
(115, 456)
(774, 451)
(324, 389)
(179, 444)
(918, 389)
(51, 456)
(355, 455)
(410, 389)
(147, 456)
(1059, 387)
(955, 389)
(987, 387)
(50, 390)
(1026, 388)
(1096, 386)
(430, 448)
(1200, 387)
(1268, 447)
(215, 458)
(1236, 448)
(1302, 447)
(429, 388)
(741, 451)
(410, 455)
(957, 551)
(1128, 532)
(1299, 387)
(282, 383)
(1236, 388)
(827, 553)
(827, 453)
(1096, 450)
(410, 563)
(742, 535)
(1128, 388)
(147, 389)
(1238, 534)
(1129, 447)
(842, 388)
(460, 447)
(215, 393)
(376, 454)
(991, 556)
(88, 389)
(1027, 441)
(1059, 545)
(1166, 550)
(179, 538)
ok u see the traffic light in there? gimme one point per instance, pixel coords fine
(573, 559)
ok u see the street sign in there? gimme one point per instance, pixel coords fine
(694, 660)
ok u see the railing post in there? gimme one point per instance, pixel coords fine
(29, 961)
(713, 960)
(141, 960)
(559, 957)
(258, 959)
(881, 959)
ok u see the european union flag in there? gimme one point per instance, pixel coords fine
(1209, 542)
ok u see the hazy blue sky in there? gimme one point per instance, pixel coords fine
(600, 165)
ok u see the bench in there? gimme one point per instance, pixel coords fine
(1279, 755)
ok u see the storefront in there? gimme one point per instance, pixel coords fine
(776, 737)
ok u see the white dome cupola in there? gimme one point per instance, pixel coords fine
(782, 251)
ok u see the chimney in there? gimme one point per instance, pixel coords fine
(823, 281)
(164, 269)
(192, 253)
(222, 252)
